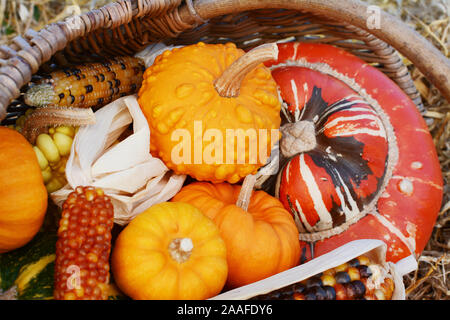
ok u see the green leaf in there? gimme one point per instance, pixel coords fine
(36, 13)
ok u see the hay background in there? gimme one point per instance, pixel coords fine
(429, 17)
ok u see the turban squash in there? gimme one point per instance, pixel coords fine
(357, 160)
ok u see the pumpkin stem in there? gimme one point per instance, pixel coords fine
(245, 194)
(180, 249)
(298, 137)
(41, 118)
(229, 83)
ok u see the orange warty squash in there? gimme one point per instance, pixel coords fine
(170, 251)
(203, 101)
(23, 197)
(260, 235)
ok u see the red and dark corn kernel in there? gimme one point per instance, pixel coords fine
(83, 246)
(349, 281)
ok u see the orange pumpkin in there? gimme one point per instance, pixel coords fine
(260, 235)
(23, 197)
(170, 251)
(207, 106)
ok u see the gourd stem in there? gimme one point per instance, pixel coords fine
(229, 83)
(180, 249)
(245, 194)
(298, 137)
(41, 118)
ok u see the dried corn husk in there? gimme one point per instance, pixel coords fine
(149, 53)
(125, 170)
(375, 250)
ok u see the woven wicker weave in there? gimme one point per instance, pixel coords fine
(126, 26)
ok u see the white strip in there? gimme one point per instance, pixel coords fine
(336, 106)
(349, 213)
(325, 221)
(302, 218)
(295, 93)
(295, 50)
(376, 133)
(361, 109)
(349, 103)
(287, 171)
(335, 121)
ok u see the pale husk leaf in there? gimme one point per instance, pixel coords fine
(373, 249)
(125, 170)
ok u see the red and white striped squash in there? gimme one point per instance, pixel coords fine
(359, 161)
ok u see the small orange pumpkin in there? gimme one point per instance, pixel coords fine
(170, 251)
(212, 97)
(23, 197)
(260, 235)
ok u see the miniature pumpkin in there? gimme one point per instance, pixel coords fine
(23, 197)
(207, 105)
(170, 251)
(357, 158)
(260, 235)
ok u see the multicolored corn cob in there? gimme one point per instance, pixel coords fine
(83, 246)
(358, 279)
(89, 85)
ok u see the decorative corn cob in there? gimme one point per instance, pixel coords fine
(358, 279)
(83, 246)
(52, 150)
(52, 145)
(89, 85)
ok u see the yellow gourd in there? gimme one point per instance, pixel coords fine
(192, 96)
(170, 251)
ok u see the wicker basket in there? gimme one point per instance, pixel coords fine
(126, 26)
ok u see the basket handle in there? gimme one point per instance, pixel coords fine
(422, 53)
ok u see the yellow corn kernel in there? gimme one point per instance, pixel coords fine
(54, 185)
(47, 174)
(63, 143)
(42, 160)
(62, 168)
(341, 267)
(328, 280)
(67, 130)
(45, 143)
